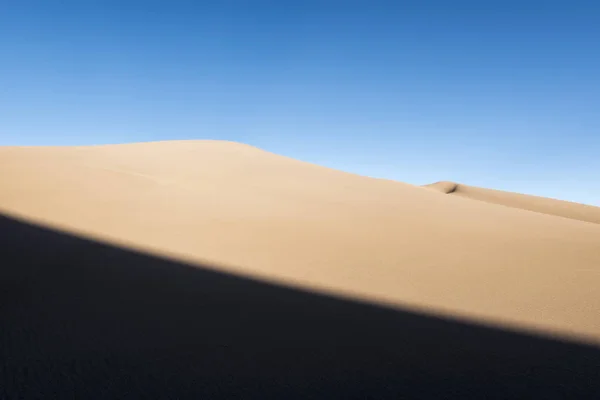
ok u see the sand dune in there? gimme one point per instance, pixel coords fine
(566, 209)
(86, 320)
(253, 213)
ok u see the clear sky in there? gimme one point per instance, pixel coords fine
(496, 93)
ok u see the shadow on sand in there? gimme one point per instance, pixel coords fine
(85, 320)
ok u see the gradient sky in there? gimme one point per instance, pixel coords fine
(500, 94)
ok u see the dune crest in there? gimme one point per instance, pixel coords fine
(544, 205)
(445, 187)
(281, 220)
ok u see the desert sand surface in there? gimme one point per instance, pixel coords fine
(560, 208)
(275, 218)
(504, 260)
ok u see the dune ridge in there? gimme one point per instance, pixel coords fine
(270, 217)
(544, 205)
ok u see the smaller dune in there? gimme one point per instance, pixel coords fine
(544, 205)
(443, 186)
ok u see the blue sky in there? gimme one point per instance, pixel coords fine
(500, 94)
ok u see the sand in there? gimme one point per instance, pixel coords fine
(211, 269)
(498, 258)
(559, 208)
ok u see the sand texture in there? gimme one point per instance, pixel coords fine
(505, 260)
(559, 208)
